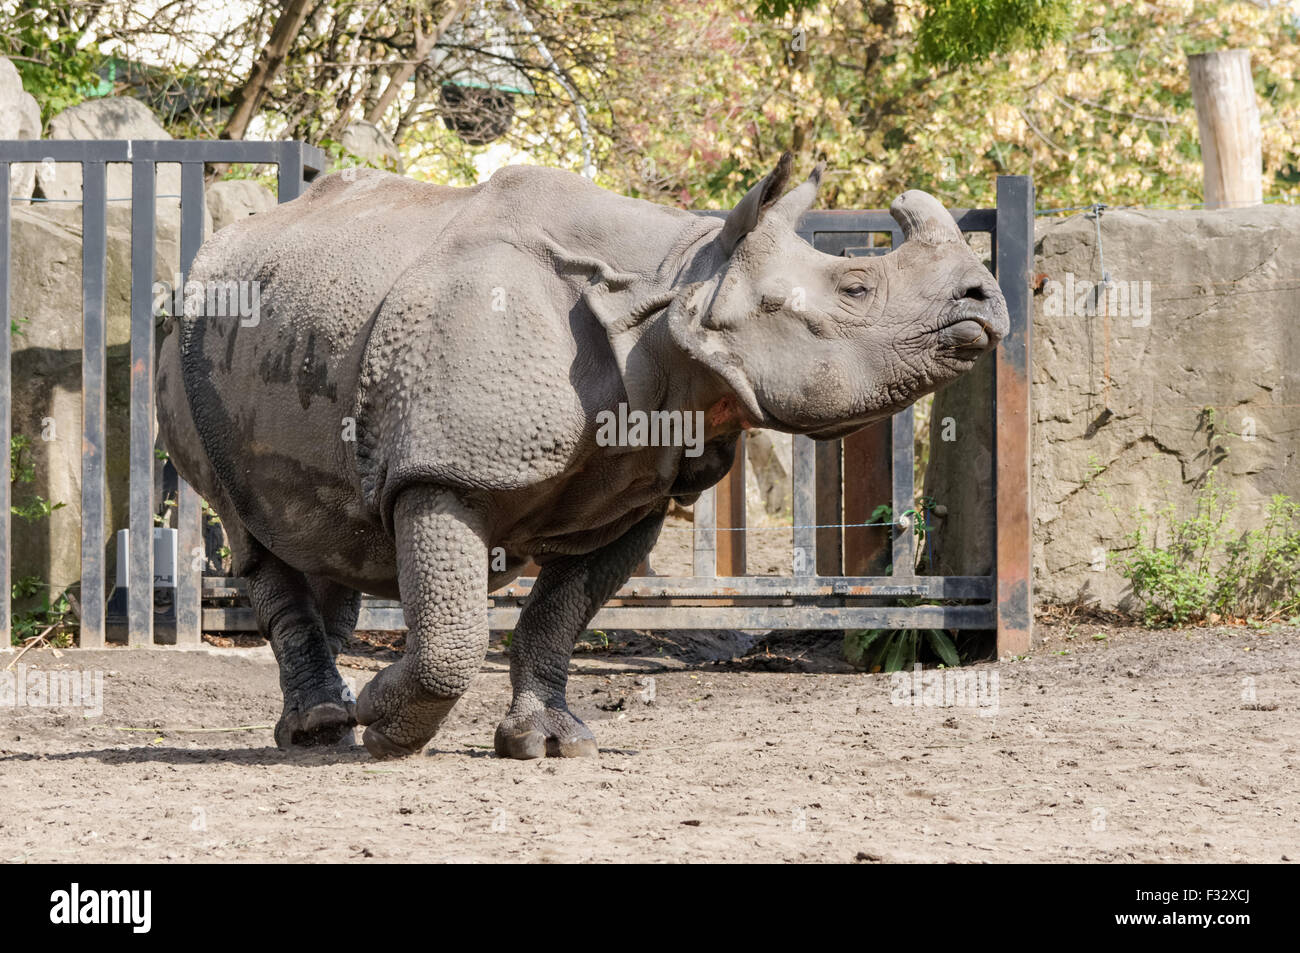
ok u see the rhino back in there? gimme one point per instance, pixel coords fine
(272, 397)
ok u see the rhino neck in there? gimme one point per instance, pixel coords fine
(636, 310)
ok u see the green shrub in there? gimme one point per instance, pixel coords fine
(893, 650)
(48, 612)
(1186, 569)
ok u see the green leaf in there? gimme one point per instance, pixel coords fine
(902, 652)
(943, 646)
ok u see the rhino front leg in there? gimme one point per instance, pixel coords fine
(568, 592)
(442, 564)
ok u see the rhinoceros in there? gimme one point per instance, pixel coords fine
(417, 407)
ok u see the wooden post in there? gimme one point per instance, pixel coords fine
(730, 516)
(1227, 115)
(1014, 256)
(830, 481)
(868, 482)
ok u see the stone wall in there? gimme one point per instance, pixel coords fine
(1189, 358)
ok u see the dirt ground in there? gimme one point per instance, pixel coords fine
(1137, 746)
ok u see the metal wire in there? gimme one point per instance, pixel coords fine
(78, 201)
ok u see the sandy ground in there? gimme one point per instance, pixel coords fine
(1140, 747)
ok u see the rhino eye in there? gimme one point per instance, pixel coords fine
(856, 291)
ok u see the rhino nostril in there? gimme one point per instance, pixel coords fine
(975, 292)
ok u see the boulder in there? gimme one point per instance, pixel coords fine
(1184, 362)
(46, 305)
(20, 118)
(113, 117)
(233, 199)
(369, 143)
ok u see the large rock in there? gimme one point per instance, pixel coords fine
(233, 199)
(20, 118)
(369, 143)
(45, 293)
(1186, 362)
(115, 117)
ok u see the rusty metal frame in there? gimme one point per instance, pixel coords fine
(838, 578)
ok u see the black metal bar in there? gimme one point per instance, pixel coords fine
(289, 183)
(189, 516)
(140, 549)
(94, 416)
(5, 395)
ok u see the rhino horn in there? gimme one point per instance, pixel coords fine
(798, 200)
(924, 219)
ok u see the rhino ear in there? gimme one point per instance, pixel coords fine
(743, 219)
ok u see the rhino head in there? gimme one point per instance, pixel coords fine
(816, 344)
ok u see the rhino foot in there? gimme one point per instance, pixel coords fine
(322, 725)
(401, 717)
(551, 733)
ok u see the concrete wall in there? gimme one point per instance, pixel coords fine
(1203, 312)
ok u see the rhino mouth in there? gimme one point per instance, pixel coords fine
(966, 334)
(970, 333)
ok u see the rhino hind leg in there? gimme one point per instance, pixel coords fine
(566, 596)
(442, 564)
(318, 706)
(339, 607)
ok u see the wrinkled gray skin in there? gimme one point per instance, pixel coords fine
(470, 337)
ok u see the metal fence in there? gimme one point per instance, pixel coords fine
(836, 579)
(296, 163)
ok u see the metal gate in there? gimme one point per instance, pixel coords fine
(835, 483)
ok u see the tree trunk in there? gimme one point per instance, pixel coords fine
(1227, 115)
(423, 47)
(253, 92)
